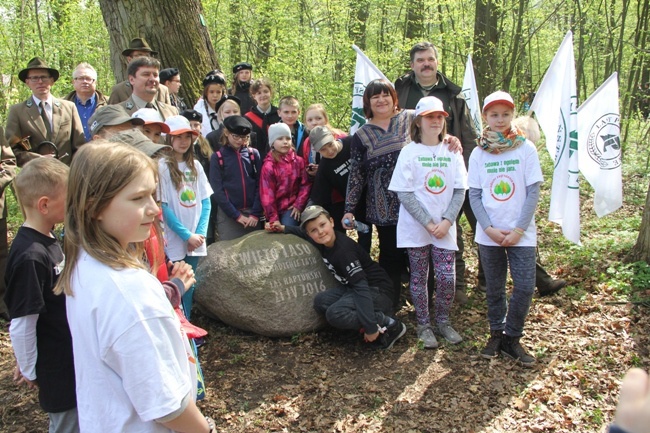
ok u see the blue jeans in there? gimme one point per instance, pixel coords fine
(504, 317)
(287, 220)
(340, 310)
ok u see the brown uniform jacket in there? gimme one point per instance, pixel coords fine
(165, 110)
(24, 120)
(7, 170)
(121, 92)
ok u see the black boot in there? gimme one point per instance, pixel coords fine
(511, 348)
(493, 345)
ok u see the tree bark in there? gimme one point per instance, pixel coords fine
(486, 42)
(641, 250)
(173, 28)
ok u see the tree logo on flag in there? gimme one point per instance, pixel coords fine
(358, 117)
(604, 142)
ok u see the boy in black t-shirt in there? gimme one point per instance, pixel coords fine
(39, 327)
(362, 301)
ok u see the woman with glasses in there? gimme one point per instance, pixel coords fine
(234, 176)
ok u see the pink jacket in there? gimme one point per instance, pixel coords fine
(283, 184)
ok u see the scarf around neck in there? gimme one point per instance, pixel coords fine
(497, 142)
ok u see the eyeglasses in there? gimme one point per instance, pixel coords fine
(38, 78)
(84, 79)
(240, 137)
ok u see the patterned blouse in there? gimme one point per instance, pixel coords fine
(373, 156)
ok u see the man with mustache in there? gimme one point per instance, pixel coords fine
(425, 80)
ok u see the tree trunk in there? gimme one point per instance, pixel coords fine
(174, 28)
(357, 22)
(641, 250)
(414, 20)
(486, 41)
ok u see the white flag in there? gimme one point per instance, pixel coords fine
(599, 146)
(555, 106)
(470, 93)
(364, 73)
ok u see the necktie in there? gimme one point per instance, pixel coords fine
(46, 120)
(149, 105)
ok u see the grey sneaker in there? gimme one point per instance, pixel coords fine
(449, 333)
(425, 333)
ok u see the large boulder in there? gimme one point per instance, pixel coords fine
(263, 283)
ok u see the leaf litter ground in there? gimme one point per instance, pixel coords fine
(332, 382)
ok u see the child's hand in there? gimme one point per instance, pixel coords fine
(454, 144)
(441, 229)
(274, 227)
(194, 242)
(497, 235)
(295, 213)
(252, 221)
(183, 272)
(19, 379)
(312, 169)
(243, 220)
(632, 413)
(511, 238)
(369, 338)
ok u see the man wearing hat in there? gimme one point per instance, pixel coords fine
(43, 117)
(137, 139)
(144, 80)
(110, 120)
(241, 86)
(171, 78)
(120, 92)
(85, 95)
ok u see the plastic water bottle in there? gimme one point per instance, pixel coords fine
(358, 225)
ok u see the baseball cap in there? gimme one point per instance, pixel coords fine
(429, 105)
(110, 115)
(319, 137)
(498, 97)
(310, 213)
(179, 125)
(140, 141)
(151, 116)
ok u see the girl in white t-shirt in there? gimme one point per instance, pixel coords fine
(134, 368)
(185, 196)
(430, 181)
(504, 182)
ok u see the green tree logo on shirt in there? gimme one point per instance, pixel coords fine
(502, 187)
(435, 182)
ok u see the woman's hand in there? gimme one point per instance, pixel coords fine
(454, 144)
(348, 216)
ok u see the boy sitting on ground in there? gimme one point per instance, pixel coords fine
(362, 301)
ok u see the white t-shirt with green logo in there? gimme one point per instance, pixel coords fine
(432, 173)
(503, 178)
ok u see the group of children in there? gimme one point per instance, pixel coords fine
(120, 322)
